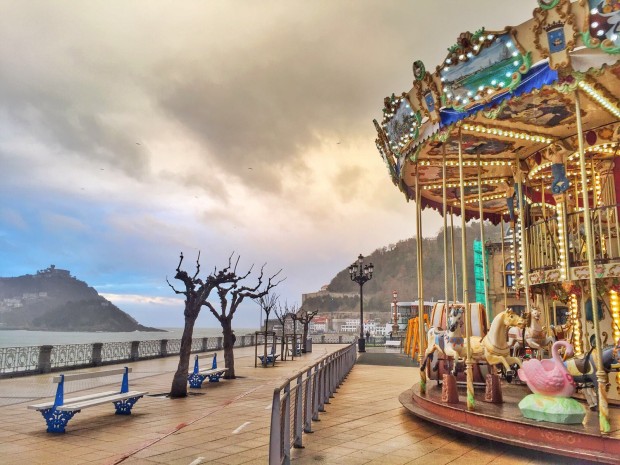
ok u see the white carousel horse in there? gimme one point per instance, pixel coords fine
(494, 346)
(435, 340)
(535, 336)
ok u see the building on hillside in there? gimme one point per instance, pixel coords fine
(318, 325)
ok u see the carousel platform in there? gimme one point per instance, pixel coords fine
(504, 423)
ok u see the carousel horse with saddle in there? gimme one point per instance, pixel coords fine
(492, 348)
(534, 336)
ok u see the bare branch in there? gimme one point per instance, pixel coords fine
(180, 261)
(175, 291)
(197, 265)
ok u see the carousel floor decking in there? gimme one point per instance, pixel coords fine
(504, 423)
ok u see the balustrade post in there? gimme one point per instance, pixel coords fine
(220, 342)
(308, 402)
(45, 359)
(275, 454)
(205, 344)
(163, 348)
(322, 338)
(299, 415)
(340, 339)
(96, 353)
(135, 354)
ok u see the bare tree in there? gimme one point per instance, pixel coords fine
(267, 303)
(231, 294)
(305, 317)
(196, 294)
(282, 313)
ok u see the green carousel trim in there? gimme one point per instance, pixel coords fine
(593, 42)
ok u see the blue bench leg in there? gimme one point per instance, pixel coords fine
(56, 420)
(195, 380)
(123, 407)
(215, 378)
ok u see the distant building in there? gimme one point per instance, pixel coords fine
(319, 324)
(53, 271)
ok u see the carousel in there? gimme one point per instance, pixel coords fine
(521, 128)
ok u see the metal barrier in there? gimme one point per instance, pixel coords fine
(299, 400)
(43, 359)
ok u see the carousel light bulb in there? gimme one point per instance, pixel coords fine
(515, 63)
(576, 324)
(600, 32)
(594, 24)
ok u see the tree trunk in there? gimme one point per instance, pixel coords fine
(229, 355)
(305, 336)
(179, 382)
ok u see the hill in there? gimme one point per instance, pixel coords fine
(395, 269)
(53, 300)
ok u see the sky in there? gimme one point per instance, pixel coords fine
(133, 131)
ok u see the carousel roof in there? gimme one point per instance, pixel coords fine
(509, 98)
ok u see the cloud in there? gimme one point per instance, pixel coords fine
(120, 299)
(131, 131)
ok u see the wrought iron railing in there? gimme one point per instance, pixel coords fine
(43, 359)
(298, 401)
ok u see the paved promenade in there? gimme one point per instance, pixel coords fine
(228, 422)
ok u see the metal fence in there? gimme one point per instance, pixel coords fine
(298, 401)
(43, 359)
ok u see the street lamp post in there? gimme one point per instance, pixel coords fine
(395, 327)
(361, 274)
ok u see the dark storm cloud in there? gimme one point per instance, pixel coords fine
(55, 118)
(286, 92)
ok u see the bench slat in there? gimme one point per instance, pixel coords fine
(206, 355)
(47, 405)
(212, 371)
(90, 374)
(99, 401)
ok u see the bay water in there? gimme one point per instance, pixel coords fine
(22, 338)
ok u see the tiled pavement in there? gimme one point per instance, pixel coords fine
(228, 423)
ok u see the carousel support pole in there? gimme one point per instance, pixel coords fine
(501, 224)
(455, 289)
(484, 261)
(515, 251)
(445, 228)
(601, 376)
(469, 362)
(525, 255)
(422, 344)
(555, 315)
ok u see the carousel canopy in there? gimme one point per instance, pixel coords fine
(508, 99)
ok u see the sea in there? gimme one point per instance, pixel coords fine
(23, 338)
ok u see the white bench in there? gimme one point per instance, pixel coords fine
(58, 413)
(395, 344)
(197, 376)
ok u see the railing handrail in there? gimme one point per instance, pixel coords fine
(313, 391)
